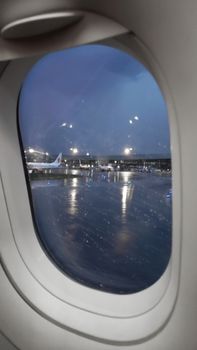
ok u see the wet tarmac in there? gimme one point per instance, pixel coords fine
(107, 230)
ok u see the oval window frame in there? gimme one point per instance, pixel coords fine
(103, 308)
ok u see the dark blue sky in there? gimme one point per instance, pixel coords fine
(94, 98)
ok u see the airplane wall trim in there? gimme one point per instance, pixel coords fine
(134, 316)
(92, 27)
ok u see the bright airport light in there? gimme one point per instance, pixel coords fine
(127, 151)
(136, 117)
(74, 150)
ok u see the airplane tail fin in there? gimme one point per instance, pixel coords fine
(58, 159)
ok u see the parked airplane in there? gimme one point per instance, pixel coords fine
(84, 166)
(35, 167)
(106, 167)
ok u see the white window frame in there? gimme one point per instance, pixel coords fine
(110, 317)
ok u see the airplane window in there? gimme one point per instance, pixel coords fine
(96, 149)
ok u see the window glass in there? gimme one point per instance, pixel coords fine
(95, 136)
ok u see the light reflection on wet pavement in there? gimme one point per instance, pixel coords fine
(107, 230)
